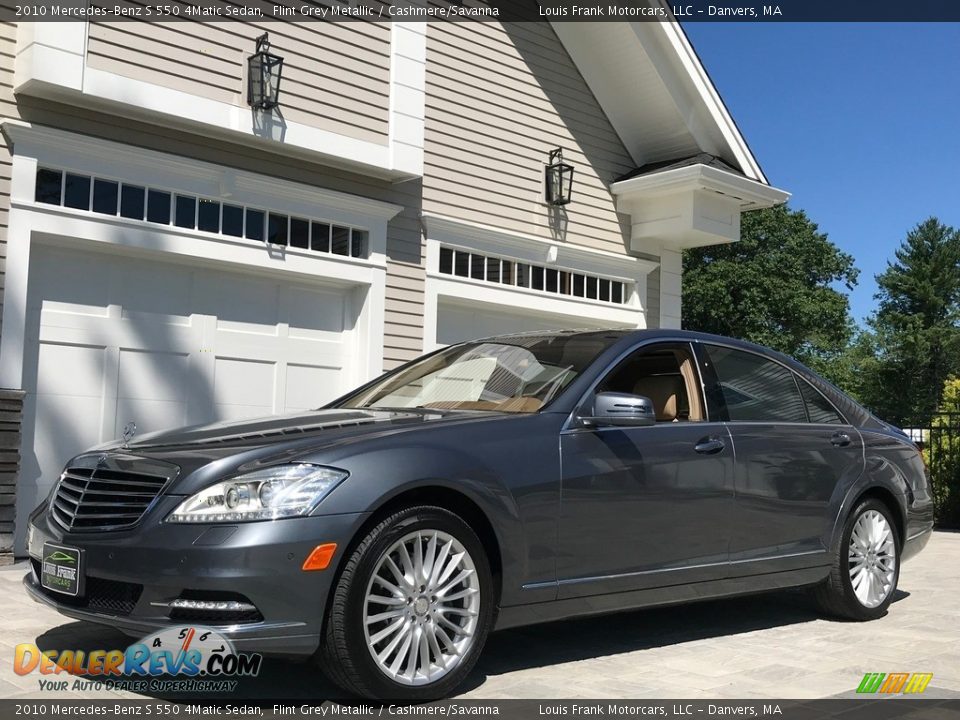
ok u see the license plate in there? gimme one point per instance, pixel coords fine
(60, 569)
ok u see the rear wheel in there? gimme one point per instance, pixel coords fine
(412, 608)
(867, 565)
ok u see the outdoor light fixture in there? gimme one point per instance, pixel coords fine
(558, 179)
(263, 76)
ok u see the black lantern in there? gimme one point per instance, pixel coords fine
(558, 179)
(263, 81)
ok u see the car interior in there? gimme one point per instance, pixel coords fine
(667, 376)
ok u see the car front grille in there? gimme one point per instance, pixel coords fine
(103, 498)
(110, 597)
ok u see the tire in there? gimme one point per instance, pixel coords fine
(852, 590)
(357, 631)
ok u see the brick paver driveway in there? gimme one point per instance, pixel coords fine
(764, 646)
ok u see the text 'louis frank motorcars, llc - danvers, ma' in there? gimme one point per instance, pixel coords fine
(491, 484)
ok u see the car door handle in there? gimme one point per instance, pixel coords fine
(709, 445)
(840, 439)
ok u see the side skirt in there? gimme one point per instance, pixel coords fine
(541, 612)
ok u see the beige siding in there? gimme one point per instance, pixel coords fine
(11, 401)
(336, 76)
(8, 109)
(499, 98)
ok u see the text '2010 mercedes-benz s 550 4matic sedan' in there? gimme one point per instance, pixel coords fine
(489, 485)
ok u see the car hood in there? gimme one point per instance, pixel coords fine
(203, 452)
(318, 424)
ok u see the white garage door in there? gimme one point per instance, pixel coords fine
(457, 322)
(114, 339)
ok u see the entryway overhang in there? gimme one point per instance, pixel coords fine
(689, 205)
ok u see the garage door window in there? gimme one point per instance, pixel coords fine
(549, 280)
(136, 202)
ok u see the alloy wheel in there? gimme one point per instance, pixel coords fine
(421, 607)
(872, 559)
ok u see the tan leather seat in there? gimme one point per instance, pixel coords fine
(664, 391)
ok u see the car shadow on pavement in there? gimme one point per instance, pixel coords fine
(509, 650)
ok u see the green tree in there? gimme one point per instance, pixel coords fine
(915, 325)
(775, 287)
(942, 453)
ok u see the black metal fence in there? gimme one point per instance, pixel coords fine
(940, 443)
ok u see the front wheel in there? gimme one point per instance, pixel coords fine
(867, 565)
(412, 608)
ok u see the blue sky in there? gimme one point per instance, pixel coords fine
(861, 122)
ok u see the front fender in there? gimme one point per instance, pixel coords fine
(511, 475)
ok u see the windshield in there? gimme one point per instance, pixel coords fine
(516, 375)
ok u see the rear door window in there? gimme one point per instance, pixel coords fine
(753, 388)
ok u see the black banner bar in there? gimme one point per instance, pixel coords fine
(848, 709)
(481, 10)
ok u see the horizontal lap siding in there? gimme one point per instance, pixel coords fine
(11, 401)
(336, 76)
(8, 109)
(499, 98)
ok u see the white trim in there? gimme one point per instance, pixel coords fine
(531, 248)
(104, 158)
(51, 62)
(690, 206)
(408, 84)
(484, 239)
(710, 99)
(750, 193)
(32, 222)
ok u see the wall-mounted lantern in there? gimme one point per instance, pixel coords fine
(263, 77)
(558, 179)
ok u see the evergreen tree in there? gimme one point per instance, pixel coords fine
(915, 325)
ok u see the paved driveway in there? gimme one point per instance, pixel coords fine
(763, 646)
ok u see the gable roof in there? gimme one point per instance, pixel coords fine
(664, 165)
(658, 96)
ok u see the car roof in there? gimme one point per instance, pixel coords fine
(855, 412)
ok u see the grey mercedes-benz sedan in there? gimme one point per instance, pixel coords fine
(491, 484)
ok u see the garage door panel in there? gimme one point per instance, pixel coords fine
(72, 281)
(315, 352)
(314, 314)
(310, 387)
(152, 292)
(149, 415)
(70, 370)
(240, 303)
(456, 323)
(112, 339)
(65, 425)
(145, 375)
(126, 332)
(243, 383)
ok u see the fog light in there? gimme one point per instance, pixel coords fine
(219, 605)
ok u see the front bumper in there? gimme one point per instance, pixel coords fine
(131, 577)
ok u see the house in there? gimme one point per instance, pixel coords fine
(174, 256)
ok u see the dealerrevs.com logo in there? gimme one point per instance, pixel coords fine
(179, 659)
(894, 683)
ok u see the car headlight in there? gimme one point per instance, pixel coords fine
(277, 492)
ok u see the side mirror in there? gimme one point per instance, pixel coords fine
(620, 409)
